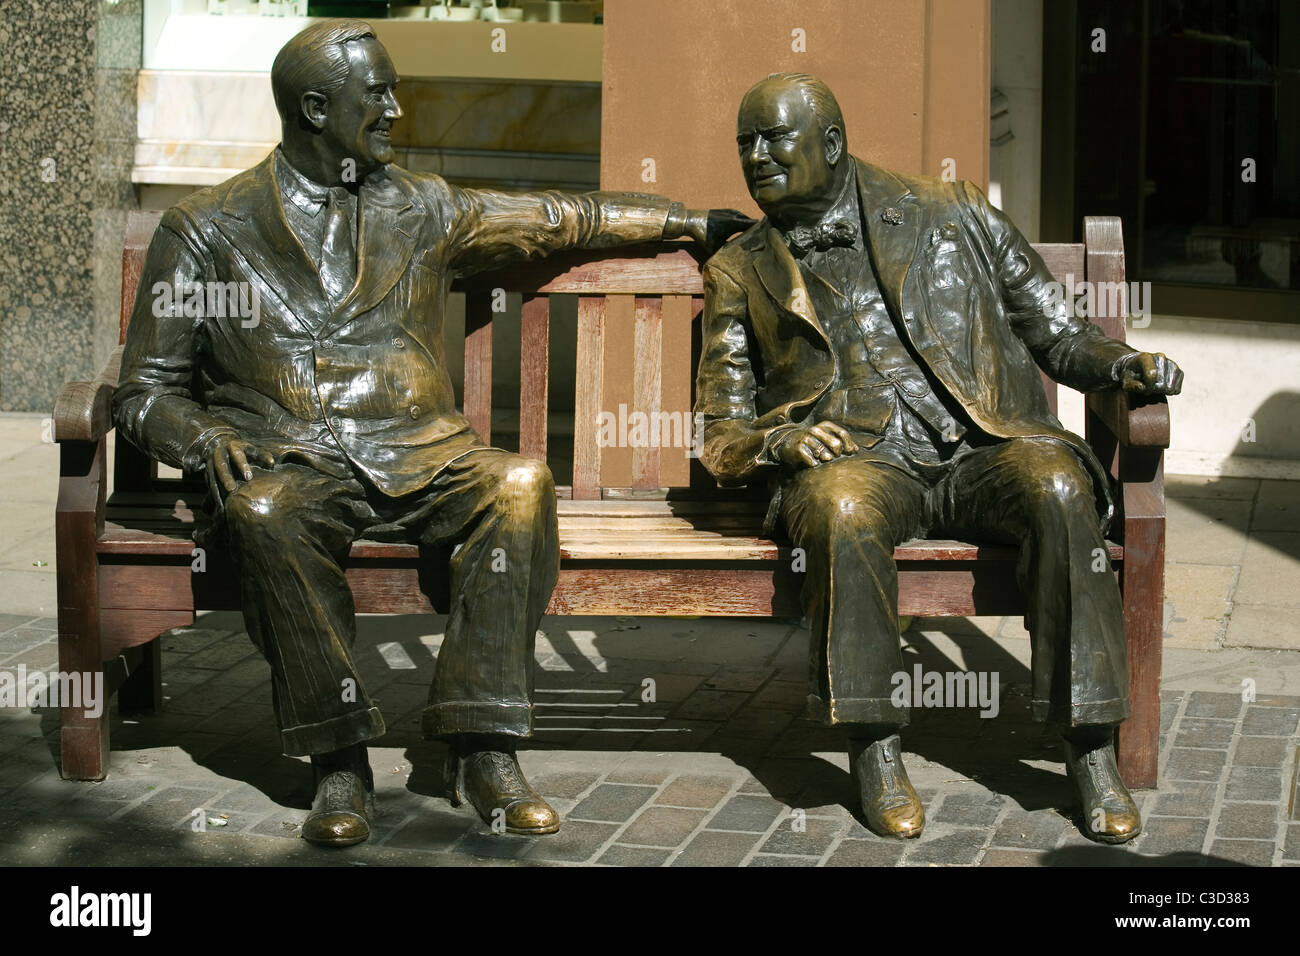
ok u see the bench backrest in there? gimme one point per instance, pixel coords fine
(636, 351)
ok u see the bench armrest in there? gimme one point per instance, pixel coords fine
(1135, 423)
(84, 410)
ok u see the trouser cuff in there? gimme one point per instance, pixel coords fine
(450, 718)
(333, 734)
(1113, 711)
(857, 710)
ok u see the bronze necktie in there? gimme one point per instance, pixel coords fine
(337, 256)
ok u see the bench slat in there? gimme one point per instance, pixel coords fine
(534, 375)
(588, 390)
(647, 332)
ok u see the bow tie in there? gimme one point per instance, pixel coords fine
(837, 232)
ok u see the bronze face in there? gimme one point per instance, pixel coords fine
(787, 157)
(356, 120)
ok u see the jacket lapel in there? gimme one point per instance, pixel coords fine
(780, 276)
(893, 223)
(386, 237)
(252, 219)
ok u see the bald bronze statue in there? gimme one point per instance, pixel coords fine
(872, 349)
(328, 414)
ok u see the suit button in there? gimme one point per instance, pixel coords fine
(415, 411)
(398, 344)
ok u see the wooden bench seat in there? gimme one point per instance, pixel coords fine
(643, 531)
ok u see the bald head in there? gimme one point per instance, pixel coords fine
(790, 137)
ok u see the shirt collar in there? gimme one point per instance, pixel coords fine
(307, 195)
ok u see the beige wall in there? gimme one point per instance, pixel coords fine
(912, 79)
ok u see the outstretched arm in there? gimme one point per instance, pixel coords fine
(493, 228)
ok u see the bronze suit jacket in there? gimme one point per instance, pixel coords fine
(372, 370)
(973, 301)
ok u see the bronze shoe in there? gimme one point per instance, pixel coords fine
(492, 782)
(340, 814)
(890, 804)
(1108, 813)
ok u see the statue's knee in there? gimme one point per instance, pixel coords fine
(842, 517)
(252, 510)
(528, 482)
(1065, 485)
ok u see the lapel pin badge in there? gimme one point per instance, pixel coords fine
(892, 215)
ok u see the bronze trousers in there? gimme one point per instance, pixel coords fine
(291, 528)
(848, 515)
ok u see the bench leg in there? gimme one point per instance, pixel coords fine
(1143, 590)
(83, 740)
(141, 693)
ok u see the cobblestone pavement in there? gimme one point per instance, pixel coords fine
(717, 769)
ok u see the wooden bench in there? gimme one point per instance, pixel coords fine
(647, 533)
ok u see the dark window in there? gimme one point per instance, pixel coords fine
(1188, 126)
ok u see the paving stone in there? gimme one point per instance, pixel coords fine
(662, 826)
(433, 830)
(612, 802)
(1168, 711)
(1204, 732)
(1186, 764)
(504, 846)
(1201, 703)
(1021, 829)
(789, 697)
(959, 847)
(969, 809)
(690, 790)
(710, 848)
(170, 807)
(618, 855)
(738, 677)
(283, 822)
(996, 857)
(10, 621)
(813, 840)
(1261, 752)
(1254, 783)
(651, 776)
(710, 705)
(1262, 626)
(1291, 849)
(1250, 852)
(1187, 798)
(748, 812)
(1247, 821)
(874, 851)
(1270, 722)
(575, 842)
(1196, 600)
(571, 785)
(1270, 575)
(122, 788)
(769, 859)
(1277, 507)
(1161, 835)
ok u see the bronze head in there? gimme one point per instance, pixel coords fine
(790, 136)
(333, 85)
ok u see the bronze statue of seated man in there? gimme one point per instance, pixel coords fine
(873, 348)
(329, 415)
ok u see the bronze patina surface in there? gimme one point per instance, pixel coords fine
(872, 349)
(327, 413)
